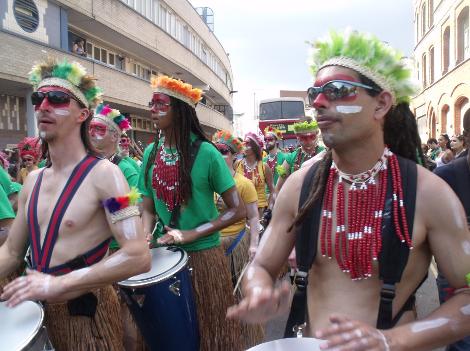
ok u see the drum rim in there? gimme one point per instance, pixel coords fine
(141, 283)
(37, 330)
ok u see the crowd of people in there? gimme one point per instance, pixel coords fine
(354, 216)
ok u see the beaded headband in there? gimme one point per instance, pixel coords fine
(305, 127)
(30, 146)
(70, 76)
(367, 55)
(257, 138)
(226, 138)
(177, 89)
(274, 131)
(112, 117)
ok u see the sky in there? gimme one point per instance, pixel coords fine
(266, 39)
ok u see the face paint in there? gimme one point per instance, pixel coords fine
(116, 259)
(348, 109)
(119, 184)
(61, 111)
(42, 134)
(426, 325)
(128, 228)
(202, 228)
(466, 247)
(79, 274)
(162, 113)
(465, 310)
(235, 198)
(47, 282)
(228, 215)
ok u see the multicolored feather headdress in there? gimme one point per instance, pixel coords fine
(306, 127)
(30, 146)
(177, 88)
(70, 76)
(226, 138)
(112, 117)
(367, 55)
(274, 131)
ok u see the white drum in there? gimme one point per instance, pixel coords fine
(22, 327)
(290, 344)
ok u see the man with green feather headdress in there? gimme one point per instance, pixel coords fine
(68, 212)
(363, 221)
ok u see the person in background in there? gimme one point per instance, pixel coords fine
(458, 146)
(30, 151)
(446, 155)
(79, 47)
(272, 137)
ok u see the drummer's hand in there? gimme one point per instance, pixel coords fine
(345, 334)
(176, 236)
(262, 304)
(292, 259)
(252, 252)
(34, 286)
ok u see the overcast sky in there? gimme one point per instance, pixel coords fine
(266, 38)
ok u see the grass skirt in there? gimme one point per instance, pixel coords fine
(79, 333)
(239, 257)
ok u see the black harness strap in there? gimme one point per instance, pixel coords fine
(393, 257)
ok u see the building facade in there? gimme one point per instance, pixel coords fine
(125, 43)
(442, 66)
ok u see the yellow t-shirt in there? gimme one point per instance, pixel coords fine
(258, 181)
(247, 192)
(24, 173)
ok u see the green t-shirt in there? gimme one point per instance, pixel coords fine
(6, 188)
(132, 179)
(280, 160)
(133, 163)
(209, 175)
(42, 164)
(292, 157)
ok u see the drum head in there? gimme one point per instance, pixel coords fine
(298, 344)
(20, 325)
(166, 261)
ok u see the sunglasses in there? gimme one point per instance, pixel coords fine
(269, 139)
(54, 97)
(335, 90)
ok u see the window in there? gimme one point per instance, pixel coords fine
(431, 65)
(424, 71)
(89, 50)
(111, 59)
(446, 50)
(431, 13)
(26, 15)
(462, 36)
(423, 19)
(104, 56)
(97, 54)
(120, 63)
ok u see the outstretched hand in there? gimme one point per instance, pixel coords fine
(262, 304)
(35, 286)
(348, 335)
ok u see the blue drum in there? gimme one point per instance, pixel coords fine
(162, 302)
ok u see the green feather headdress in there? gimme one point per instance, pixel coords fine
(305, 127)
(70, 76)
(365, 54)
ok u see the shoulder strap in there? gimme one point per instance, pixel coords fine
(175, 214)
(394, 254)
(306, 250)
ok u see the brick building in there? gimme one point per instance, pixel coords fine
(126, 43)
(442, 66)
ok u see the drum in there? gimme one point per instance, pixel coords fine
(22, 328)
(162, 302)
(297, 344)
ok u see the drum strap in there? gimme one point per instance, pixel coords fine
(41, 256)
(175, 214)
(393, 257)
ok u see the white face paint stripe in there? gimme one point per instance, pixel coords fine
(465, 310)
(426, 325)
(235, 198)
(161, 113)
(79, 274)
(228, 215)
(348, 109)
(466, 247)
(62, 111)
(129, 229)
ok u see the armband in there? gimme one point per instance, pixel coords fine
(281, 171)
(452, 291)
(123, 207)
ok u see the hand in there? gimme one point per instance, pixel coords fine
(262, 304)
(176, 236)
(252, 252)
(292, 259)
(349, 335)
(34, 286)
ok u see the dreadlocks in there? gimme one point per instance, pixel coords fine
(400, 135)
(185, 122)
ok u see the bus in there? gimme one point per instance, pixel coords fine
(282, 113)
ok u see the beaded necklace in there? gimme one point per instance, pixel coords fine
(302, 156)
(272, 161)
(165, 178)
(251, 172)
(358, 239)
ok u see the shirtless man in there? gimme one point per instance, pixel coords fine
(362, 106)
(70, 272)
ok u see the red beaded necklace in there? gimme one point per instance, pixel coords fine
(303, 156)
(272, 161)
(252, 172)
(358, 239)
(165, 179)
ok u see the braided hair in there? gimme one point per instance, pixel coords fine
(400, 135)
(185, 122)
